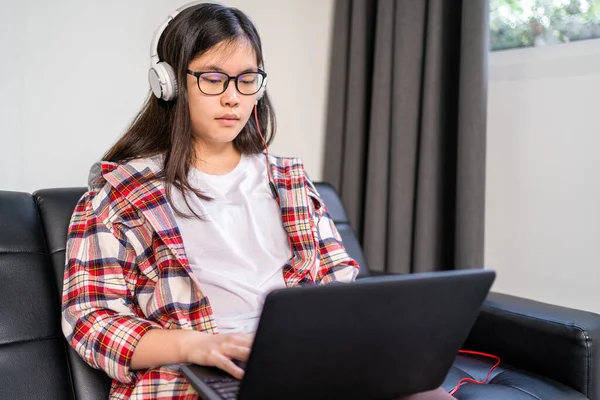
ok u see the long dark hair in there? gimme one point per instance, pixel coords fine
(163, 127)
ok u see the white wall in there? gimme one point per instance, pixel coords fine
(296, 37)
(543, 168)
(74, 75)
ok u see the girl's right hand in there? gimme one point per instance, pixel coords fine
(218, 350)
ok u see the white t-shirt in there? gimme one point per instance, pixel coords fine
(238, 249)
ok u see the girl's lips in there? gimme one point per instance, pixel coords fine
(229, 116)
(227, 121)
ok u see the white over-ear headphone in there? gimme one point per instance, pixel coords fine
(261, 92)
(162, 77)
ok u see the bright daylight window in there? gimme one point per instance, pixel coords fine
(526, 23)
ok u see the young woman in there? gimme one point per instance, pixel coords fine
(188, 222)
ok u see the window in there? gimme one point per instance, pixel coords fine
(526, 23)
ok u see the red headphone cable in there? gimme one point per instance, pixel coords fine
(470, 380)
(271, 184)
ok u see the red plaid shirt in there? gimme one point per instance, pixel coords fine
(127, 272)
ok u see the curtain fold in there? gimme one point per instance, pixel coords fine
(405, 142)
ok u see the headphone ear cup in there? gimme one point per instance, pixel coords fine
(261, 92)
(163, 81)
(172, 88)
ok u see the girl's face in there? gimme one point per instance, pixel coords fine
(218, 119)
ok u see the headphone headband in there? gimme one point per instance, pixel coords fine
(159, 31)
(162, 77)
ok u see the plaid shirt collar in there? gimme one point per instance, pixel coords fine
(136, 181)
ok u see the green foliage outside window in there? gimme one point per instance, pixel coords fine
(525, 23)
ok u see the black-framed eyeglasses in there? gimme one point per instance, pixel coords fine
(215, 83)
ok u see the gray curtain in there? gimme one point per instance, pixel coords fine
(405, 143)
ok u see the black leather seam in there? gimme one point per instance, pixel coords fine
(40, 339)
(492, 379)
(42, 224)
(522, 390)
(70, 368)
(467, 375)
(586, 337)
(505, 311)
(57, 251)
(2, 252)
(588, 356)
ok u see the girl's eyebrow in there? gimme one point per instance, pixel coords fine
(216, 68)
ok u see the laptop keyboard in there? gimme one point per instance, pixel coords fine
(227, 388)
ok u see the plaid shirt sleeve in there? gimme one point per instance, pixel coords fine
(97, 318)
(335, 263)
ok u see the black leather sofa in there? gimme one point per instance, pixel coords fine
(547, 352)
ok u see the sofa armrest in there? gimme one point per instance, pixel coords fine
(557, 342)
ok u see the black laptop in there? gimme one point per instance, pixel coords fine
(376, 338)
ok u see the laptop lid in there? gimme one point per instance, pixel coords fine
(376, 338)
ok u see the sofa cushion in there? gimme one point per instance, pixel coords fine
(505, 382)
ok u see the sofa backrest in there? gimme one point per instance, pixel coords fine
(55, 208)
(338, 214)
